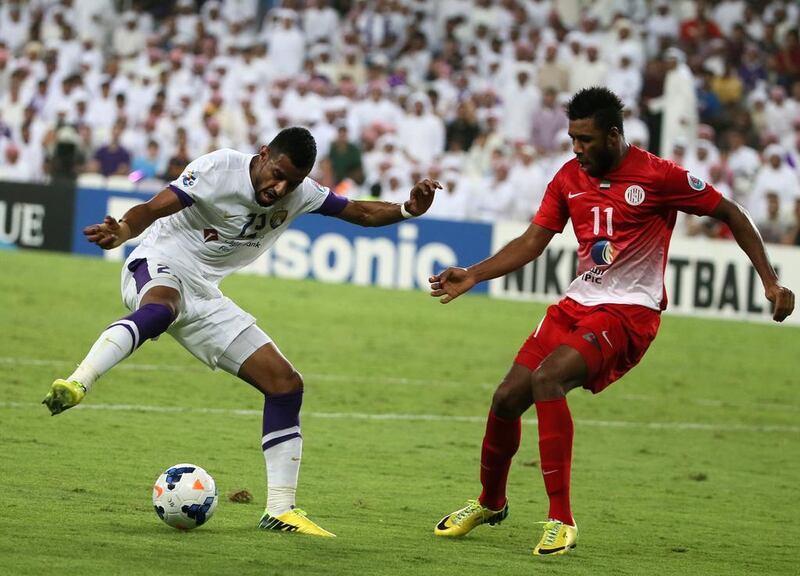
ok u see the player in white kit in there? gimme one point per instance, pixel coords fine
(225, 209)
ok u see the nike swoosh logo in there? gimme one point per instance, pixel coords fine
(571, 195)
(605, 335)
(545, 473)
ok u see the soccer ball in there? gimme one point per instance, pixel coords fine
(185, 496)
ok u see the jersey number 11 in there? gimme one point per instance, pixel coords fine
(609, 212)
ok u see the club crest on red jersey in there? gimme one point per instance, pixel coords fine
(695, 183)
(634, 195)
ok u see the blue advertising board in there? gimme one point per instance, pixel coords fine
(91, 206)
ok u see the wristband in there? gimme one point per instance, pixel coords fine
(405, 213)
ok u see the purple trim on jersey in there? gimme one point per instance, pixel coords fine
(332, 205)
(141, 275)
(185, 199)
(281, 411)
(275, 441)
(129, 329)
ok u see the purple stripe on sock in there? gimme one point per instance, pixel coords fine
(274, 441)
(281, 411)
(141, 275)
(129, 329)
(185, 199)
(151, 320)
(332, 205)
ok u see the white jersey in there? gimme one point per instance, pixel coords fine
(223, 228)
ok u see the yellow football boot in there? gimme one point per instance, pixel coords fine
(462, 521)
(558, 538)
(294, 520)
(64, 394)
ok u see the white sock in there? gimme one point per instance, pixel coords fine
(283, 468)
(114, 345)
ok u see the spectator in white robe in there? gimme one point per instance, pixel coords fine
(775, 175)
(375, 109)
(521, 98)
(452, 202)
(700, 160)
(743, 162)
(625, 80)
(12, 166)
(493, 199)
(528, 181)
(128, 40)
(727, 13)
(286, 45)
(421, 132)
(678, 103)
(213, 21)
(622, 40)
(588, 70)
(242, 11)
(31, 151)
(15, 23)
(636, 130)
(300, 102)
(320, 21)
(394, 185)
(780, 112)
(662, 26)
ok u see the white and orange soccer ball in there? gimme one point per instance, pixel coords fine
(185, 496)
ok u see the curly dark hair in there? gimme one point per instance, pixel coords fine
(298, 144)
(600, 104)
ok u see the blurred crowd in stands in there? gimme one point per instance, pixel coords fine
(467, 91)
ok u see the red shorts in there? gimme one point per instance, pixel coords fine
(612, 338)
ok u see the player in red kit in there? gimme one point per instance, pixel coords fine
(622, 202)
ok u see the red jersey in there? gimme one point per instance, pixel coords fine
(623, 223)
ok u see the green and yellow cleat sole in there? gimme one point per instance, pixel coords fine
(63, 395)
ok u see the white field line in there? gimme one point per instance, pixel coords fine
(700, 426)
(197, 367)
(390, 380)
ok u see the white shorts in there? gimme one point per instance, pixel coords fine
(207, 323)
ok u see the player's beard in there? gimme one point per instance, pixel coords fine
(601, 163)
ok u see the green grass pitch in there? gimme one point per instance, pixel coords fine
(687, 466)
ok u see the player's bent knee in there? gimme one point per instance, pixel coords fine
(165, 297)
(285, 383)
(546, 385)
(509, 402)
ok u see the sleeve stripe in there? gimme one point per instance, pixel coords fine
(185, 199)
(332, 205)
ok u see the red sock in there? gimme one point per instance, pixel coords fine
(555, 452)
(499, 446)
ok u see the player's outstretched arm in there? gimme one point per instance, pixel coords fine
(112, 233)
(377, 213)
(748, 238)
(523, 249)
